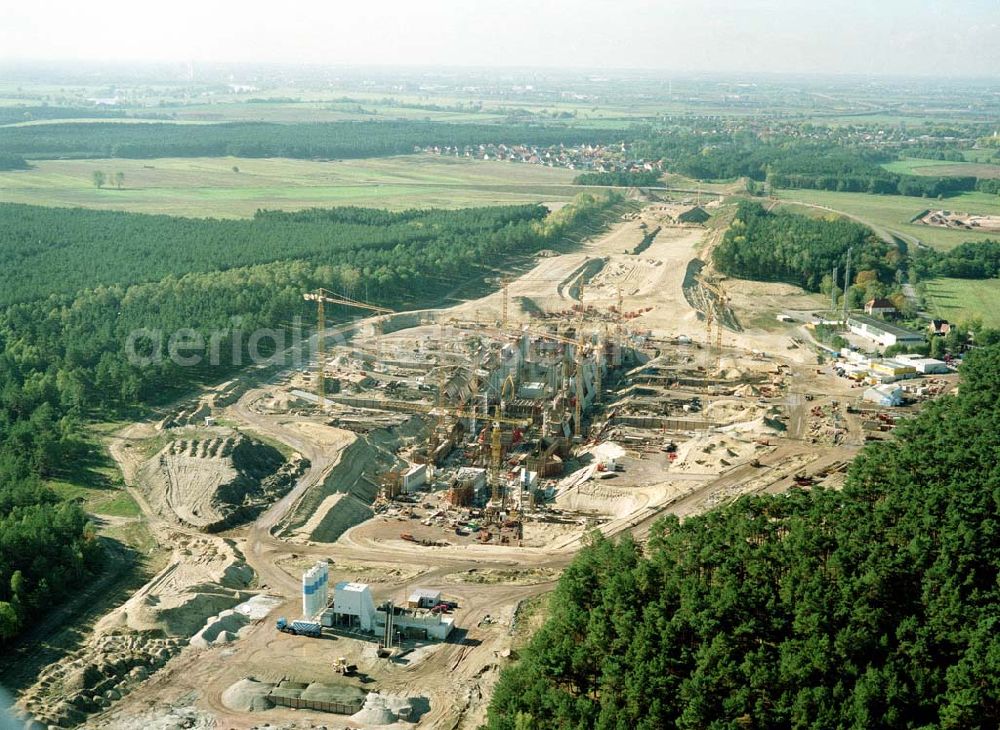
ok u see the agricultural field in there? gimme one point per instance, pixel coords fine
(229, 187)
(944, 168)
(959, 300)
(894, 212)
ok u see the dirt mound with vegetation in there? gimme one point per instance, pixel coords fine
(212, 479)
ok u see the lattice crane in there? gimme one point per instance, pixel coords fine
(323, 297)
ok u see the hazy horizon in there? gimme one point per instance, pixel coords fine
(893, 38)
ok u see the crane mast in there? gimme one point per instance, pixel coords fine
(323, 297)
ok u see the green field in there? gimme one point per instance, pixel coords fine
(210, 186)
(893, 212)
(942, 168)
(958, 300)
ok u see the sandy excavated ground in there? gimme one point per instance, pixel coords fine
(208, 683)
(204, 475)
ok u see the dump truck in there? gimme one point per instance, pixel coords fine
(299, 627)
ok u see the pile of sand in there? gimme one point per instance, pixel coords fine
(607, 451)
(388, 709)
(248, 695)
(206, 576)
(343, 498)
(257, 607)
(221, 629)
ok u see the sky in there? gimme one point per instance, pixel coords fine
(881, 37)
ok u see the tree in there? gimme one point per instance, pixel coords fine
(99, 179)
(874, 605)
(9, 623)
(119, 180)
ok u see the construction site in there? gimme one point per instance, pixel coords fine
(466, 450)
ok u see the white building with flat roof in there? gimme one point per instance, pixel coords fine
(353, 605)
(882, 332)
(424, 598)
(925, 365)
(414, 477)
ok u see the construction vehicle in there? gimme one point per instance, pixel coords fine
(340, 666)
(299, 627)
(323, 297)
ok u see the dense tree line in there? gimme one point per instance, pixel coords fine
(55, 250)
(989, 185)
(13, 162)
(794, 163)
(644, 179)
(935, 153)
(800, 250)
(15, 114)
(47, 547)
(970, 260)
(305, 140)
(872, 607)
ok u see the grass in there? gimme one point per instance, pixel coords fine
(284, 449)
(209, 187)
(943, 168)
(94, 479)
(959, 300)
(894, 212)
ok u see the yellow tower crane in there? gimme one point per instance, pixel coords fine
(620, 328)
(714, 312)
(578, 344)
(323, 297)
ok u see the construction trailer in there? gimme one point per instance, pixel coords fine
(423, 598)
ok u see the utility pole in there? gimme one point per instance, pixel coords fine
(833, 293)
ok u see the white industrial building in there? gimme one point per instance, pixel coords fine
(414, 477)
(882, 332)
(885, 395)
(315, 589)
(354, 608)
(925, 365)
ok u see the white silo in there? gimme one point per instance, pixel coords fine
(315, 588)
